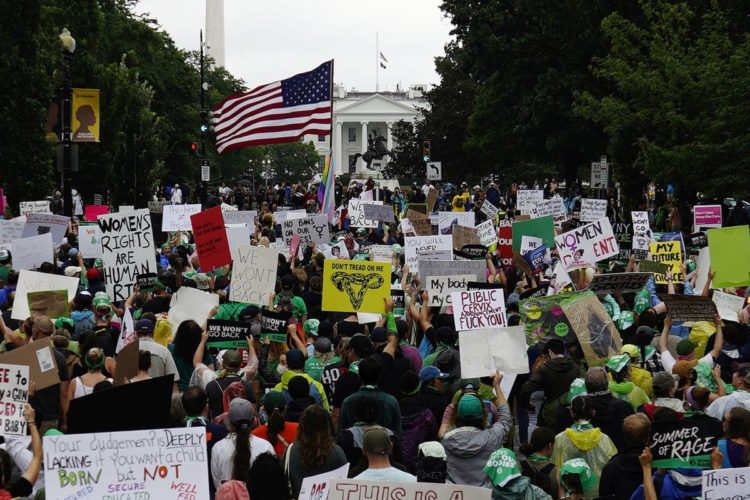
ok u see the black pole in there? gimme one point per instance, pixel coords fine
(203, 103)
(65, 138)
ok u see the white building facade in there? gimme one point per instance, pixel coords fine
(359, 115)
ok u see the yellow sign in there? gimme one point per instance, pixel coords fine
(356, 286)
(85, 115)
(669, 253)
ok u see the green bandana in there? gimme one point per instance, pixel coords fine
(618, 362)
(579, 467)
(502, 467)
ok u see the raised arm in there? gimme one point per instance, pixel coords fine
(392, 345)
(31, 474)
(665, 334)
(718, 339)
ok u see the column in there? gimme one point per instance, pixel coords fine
(338, 154)
(363, 140)
(388, 138)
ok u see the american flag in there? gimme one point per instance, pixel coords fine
(281, 111)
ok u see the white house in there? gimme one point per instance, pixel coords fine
(356, 115)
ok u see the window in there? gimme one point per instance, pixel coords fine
(322, 138)
(352, 134)
(321, 161)
(352, 163)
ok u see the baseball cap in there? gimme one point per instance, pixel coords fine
(378, 335)
(287, 281)
(295, 359)
(311, 326)
(502, 467)
(631, 350)
(513, 298)
(361, 345)
(447, 361)
(428, 373)
(144, 325)
(662, 382)
(580, 468)
(470, 407)
(201, 281)
(83, 299)
(377, 441)
(92, 274)
(685, 348)
(44, 324)
(71, 271)
(322, 345)
(231, 359)
(99, 263)
(4, 256)
(241, 411)
(73, 253)
(274, 399)
(249, 313)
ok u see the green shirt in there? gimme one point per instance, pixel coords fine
(314, 367)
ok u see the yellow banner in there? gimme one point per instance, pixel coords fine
(85, 115)
(669, 253)
(356, 286)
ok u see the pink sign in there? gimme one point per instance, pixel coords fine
(92, 212)
(707, 216)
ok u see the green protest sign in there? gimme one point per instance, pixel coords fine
(730, 256)
(542, 227)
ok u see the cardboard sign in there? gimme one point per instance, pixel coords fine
(431, 199)
(489, 210)
(730, 256)
(316, 487)
(11, 229)
(39, 359)
(34, 207)
(190, 303)
(418, 249)
(429, 268)
(728, 305)
(684, 443)
(486, 350)
(253, 275)
(689, 307)
(413, 214)
(446, 221)
(586, 245)
(543, 227)
(32, 252)
(14, 394)
(355, 286)
(441, 288)
(127, 362)
(31, 281)
(89, 241)
(211, 239)
(706, 216)
(128, 248)
(274, 322)
(37, 224)
(171, 464)
(526, 199)
(378, 212)
(642, 235)
(667, 252)
(352, 489)
(357, 214)
(593, 209)
(487, 234)
(177, 217)
(478, 309)
(53, 303)
(421, 227)
(157, 207)
(227, 334)
(92, 212)
(725, 483)
(246, 217)
(603, 284)
(463, 236)
(650, 266)
(309, 229)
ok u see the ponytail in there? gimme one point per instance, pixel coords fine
(275, 426)
(241, 459)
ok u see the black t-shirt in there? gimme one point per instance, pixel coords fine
(106, 338)
(215, 391)
(313, 301)
(347, 384)
(393, 369)
(46, 402)
(329, 377)
(21, 487)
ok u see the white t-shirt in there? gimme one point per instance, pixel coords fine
(668, 361)
(223, 452)
(390, 474)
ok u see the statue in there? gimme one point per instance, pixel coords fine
(376, 150)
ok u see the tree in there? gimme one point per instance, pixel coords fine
(293, 161)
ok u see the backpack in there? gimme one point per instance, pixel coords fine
(416, 429)
(539, 477)
(71, 360)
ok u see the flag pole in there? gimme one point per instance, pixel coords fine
(377, 65)
(330, 137)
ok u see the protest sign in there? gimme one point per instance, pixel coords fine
(463, 236)
(642, 235)
(125, 208)
(554, 207)
(92, 212)
(421, 227)
(177, 217)
(399, 301)
(622, 282)
(487, 234)
(505, 241)
(684, 443)
(489, 210)
(535, 258)
(127, 362)
(730, 256)
(593, 209)
(446, 221)
(14, 394)
(31, 252)
(316, 487)
(728, 305)
(483, 285)
(227, 334)
(37, 224)
(706, 216)
(650, 266)
(543, 227)
(253, 275)
(624, 238)
(52, 303)
(675, 236)
(11, 229)
(441, 288)
(353, 489)
(309, 229)
(418, 249)
(284, 213)
(128, 247)
(559, 279)
(378, 212)
(34, 207)
(725, 483)
(381, 253)
(486, 350)
(355, 286)
(667, 252)
(157, 207)
(430, 268)
(586, 245)
(698, 240)
(338, 251)
(414, 214)
(89, 241)
(478, 309)
(246, 217)
(526, 199)
(702, 267)
(237, 235)
(273, 324)
(38, 357)
(432, 196)
(294, 246)
(163, 463)
(211, 239)
(190, 303)
(529, 243)
(146, 281)
(357, 214)
(471, 252)
(689, 307)
(31, 281)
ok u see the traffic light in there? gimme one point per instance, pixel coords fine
(426, 150)
(204, 122)
(193, 149)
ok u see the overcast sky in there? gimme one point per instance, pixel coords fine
(266, 40)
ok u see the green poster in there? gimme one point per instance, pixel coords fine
(730, 256)
(543, 227)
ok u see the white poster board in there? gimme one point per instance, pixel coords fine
(725, 483)
(30, 253)
(37, 223)
(489, 210)
(246, 217)
(32, 281)
(642, 235)
(237, 235)
(353, 489)
(357, 214)
(253, 275)
(316, 487)
(593, 209)
(446, 220)
(11, 229)
(478, 309)
(586, 245)
(34, 207)
(420, 248)
(381, 253)
(484, 351)
(441, 288)
(702, 266)
(177, 217)
(728, 305)
(487, 233)
(309, 229)
(14, 394)
(526, 199)
(89, 241)
(190, 303)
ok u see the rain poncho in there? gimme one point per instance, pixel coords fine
(628, 391)
(586, 442)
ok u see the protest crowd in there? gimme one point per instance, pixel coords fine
(510, 342)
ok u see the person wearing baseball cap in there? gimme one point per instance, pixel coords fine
(162, 362)
(377, 447)
(6, 264)
(432, 390)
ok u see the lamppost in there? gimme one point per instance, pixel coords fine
(69, 47)
(266, 170)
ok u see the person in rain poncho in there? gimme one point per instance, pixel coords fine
(620, 386)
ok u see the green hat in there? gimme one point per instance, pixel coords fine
(685, 348)
(577, 388)
(164, 245)
(690, 266)
(470, 407)
(642, 301)
(53, 432)
(99, 263)
(626, 320)
(273, 400)
(61, 322)
(311, 327)
(502, 466)
(101, 299)
(397, 248)
(580, 468)
(618, 362)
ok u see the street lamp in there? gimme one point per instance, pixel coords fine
(69, 47)
(266, 170)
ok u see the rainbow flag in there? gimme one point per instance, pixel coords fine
(326, 190)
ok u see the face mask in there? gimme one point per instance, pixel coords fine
(281, 369)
